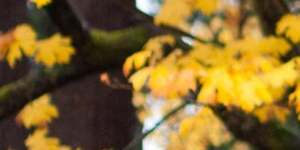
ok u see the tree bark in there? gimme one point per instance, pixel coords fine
(269, 12)
(246, 127)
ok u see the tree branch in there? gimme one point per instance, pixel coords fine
(114, 47)
(15, 95)
(68, 23)
(262, 136)
(164, 28)
(269, 12)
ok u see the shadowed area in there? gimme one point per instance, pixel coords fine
(92, 116)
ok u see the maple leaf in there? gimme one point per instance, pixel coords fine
(39, 141)
(54, 50)
(19, 41)
(169, 14)
(139, 79)
(288, 25)
(136, 61)
(283, 75)
(14, 54)
(233, 89)
(202, 129)
(274, 45)
(38, 113)
(152, 49)
(22, 41)
(226, 36)
(5, 42)
(25, 36)
(160, 81)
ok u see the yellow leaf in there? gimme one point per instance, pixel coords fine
(274, 45)
(203, 129)
(38, 113)
(39, 141)
(46, 57)
(153, 48)
(272, 112)
(185, 81)
(160, 81)
(289, 25)
(54, 50)
(207, 7)
(128, 66)
(282, 76)
(250, 93)
(233, 89)
(26, 38)
(21, 39)
(169, 14)
(5, 41)
(139, 78)
(137, 61)
(14, 54)
(226, 36)
(41, 3)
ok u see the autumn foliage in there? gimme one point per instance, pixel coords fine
(222, 57)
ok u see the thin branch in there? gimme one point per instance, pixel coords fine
(138, 139)
(178, 32)
(167, 28)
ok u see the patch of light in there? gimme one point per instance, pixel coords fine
(198, 25)
(151, 144)
(187, 40)
(159, 139)
(231, 2)
(156, 115)
(150, 7)
(191, 109)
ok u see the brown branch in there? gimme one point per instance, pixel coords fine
(113, 48)
(246, 127)
(243, 17)
(15, 95)
(96, 50)
(68, 23)
(269, 12)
